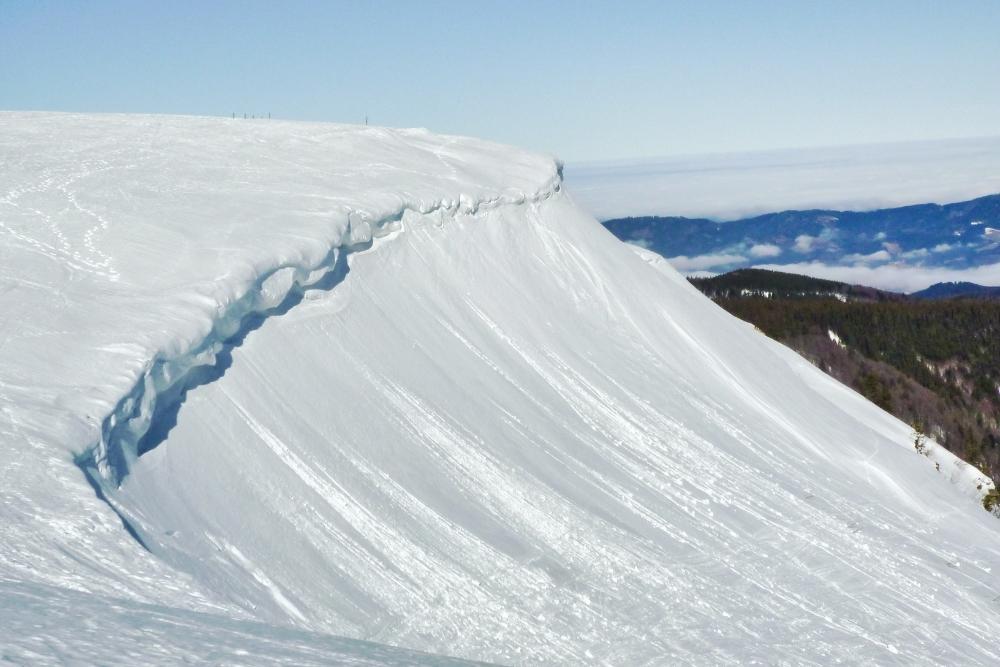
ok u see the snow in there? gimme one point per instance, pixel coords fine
(56, 626)
(767, 294)
(479, 426)
(736, 185)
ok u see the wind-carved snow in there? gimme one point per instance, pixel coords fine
(125, 432)
(135, 250)
(499, 435)
(474, 477)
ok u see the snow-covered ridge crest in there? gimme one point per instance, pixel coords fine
(123, 431)
(134, 246)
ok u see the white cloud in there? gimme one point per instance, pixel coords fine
(919, 253)
(639, 243)
(804, 243)
(895, 277)
(726, 187)
(942, 247)
(881, 236)
(877, 256)
(684, 263)
(765, 250)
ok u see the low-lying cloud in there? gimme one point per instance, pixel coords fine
(727, 187)
(765, 250)
(893, 277)
(805, 243)
(686, 264)
(871, 258)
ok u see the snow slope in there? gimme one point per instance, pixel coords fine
(480, 426)
(44, 625)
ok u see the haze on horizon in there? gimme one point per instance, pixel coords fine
(601, 82)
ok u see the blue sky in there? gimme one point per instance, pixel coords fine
(583, 80)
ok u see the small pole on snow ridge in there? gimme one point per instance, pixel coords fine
(366, 120)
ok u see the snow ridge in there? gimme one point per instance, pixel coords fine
(162, 386)
(504, 438)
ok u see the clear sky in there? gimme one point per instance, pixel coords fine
(583, 80)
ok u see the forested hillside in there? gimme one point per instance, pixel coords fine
(933, 363)
(761, 282)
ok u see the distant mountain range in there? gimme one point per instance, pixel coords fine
(930, 358)
(958, 290)
(955, 236)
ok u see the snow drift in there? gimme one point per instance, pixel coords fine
(397, 387)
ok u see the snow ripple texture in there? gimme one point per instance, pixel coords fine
(502, 435)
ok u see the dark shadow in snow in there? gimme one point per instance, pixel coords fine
(169, 402)
(86, 463)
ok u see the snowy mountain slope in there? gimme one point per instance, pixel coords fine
(500, 435)
(464, 473)
(130, 244)
(43, 625)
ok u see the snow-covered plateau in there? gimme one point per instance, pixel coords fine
(301, 392)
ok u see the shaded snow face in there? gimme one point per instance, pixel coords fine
(44, 625)
(506, 437)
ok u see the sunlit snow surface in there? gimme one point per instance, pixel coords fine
(502, 436)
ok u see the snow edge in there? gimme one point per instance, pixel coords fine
(107, 462)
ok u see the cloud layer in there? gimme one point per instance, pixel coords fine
(765, 250)
(727, 187)
(686, 264)
(893, 277)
